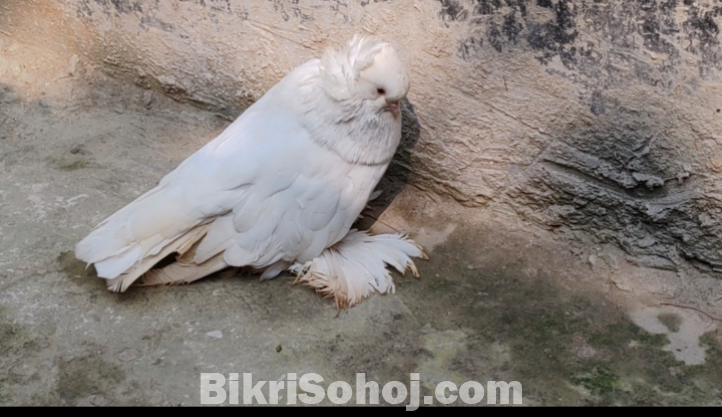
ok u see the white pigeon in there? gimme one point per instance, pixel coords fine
(278, 190)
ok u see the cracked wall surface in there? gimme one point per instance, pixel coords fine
(577, 115)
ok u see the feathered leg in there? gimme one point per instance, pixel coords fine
(355, 267)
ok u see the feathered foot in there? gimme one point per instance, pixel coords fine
(354, 268)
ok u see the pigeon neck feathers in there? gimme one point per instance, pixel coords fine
(336, 98)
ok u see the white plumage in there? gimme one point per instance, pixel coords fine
(279, 189)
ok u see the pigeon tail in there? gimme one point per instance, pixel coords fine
(184, 247)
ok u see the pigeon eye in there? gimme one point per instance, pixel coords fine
(381, 91)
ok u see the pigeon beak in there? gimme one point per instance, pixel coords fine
(394, 108)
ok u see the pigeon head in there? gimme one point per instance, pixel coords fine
(366, 74)
(349, 99)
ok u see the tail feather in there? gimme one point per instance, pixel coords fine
(183, 271)
(119, 262)
(112, 235)
(355, 268)
(181, 245)
(141, 229)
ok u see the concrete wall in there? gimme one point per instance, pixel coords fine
(577, 115)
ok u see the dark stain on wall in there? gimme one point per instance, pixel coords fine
(124, 6)
(557, 37)
(702, 34)
(611, 28)
(453, 11)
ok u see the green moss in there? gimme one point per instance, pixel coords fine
(11, 341)
(72, 267)
(88, 375)
(7, 333)
(74, 165)
(623, 335)
(600, 381)
(70, 163)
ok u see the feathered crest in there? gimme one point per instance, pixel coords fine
(341, 67)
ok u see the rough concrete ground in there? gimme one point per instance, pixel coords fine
(498, 300)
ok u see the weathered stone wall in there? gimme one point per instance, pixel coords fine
(577, 115)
